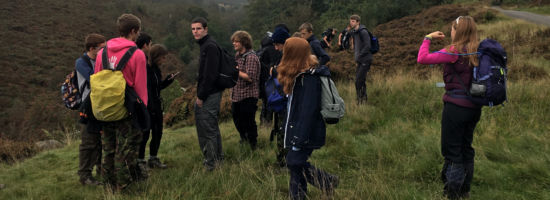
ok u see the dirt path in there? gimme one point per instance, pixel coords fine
(527, 16)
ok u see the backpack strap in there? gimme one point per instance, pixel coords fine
(330, 88)
(123, 61)
(126, 58)
(361, 37)
(245, 55)
(104, 59)
(88, 61)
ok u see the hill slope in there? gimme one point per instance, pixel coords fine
(388, 149)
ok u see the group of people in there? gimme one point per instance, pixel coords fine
(117, 148)
(344, 40)
(298, 63)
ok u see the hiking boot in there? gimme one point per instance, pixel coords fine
(333, 182)
(89, 181)
(142, 167)
(281, 163)
(155, 163)
(253, 146)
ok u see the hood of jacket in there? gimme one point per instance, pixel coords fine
(361, 26)
(116, 45)
(321, 70)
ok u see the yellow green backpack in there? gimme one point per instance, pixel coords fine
(108, 89)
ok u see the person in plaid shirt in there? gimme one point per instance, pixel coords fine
(244, 96)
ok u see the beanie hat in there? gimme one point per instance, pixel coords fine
(280, 35)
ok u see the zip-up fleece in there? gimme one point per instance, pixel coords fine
(361, 39)
(305, 127)
(135, 71)
(454, 64)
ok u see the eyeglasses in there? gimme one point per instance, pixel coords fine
(457, 19)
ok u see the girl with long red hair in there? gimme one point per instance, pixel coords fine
(299, 74)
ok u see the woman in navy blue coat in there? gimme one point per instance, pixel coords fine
(304, 128)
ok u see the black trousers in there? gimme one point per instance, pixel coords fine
(279, 133)
(457, 132)
(156, 132)
(360, 81)
(302, 173)
(266, 116)
(244, 113)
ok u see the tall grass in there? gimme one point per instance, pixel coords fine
(386, 149)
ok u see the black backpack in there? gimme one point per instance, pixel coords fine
(264, 72)
(345, 43)
(229, 74)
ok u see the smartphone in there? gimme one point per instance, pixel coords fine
(174, 75)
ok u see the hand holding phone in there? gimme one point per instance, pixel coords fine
(173, 75)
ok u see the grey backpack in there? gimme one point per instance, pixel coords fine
(332, 105)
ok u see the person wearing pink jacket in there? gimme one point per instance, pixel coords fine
(120, 139)
(460, 115)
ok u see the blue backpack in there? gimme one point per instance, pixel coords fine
(488, 87)
(374, 45)
(276, 100)
(489, 81)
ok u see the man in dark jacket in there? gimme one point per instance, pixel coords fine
(363, 56)
(267, 54)
(306, 30)
(207, 107)
(269, 57)
(90, 148)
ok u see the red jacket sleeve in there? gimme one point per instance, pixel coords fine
(140, 78)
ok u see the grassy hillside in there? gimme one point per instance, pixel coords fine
(388, 149)
(44, 38)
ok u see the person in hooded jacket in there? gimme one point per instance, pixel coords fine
(120, 138)
(363, 56)
(299, 74)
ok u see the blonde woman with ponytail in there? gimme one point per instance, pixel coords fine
(460, 115)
